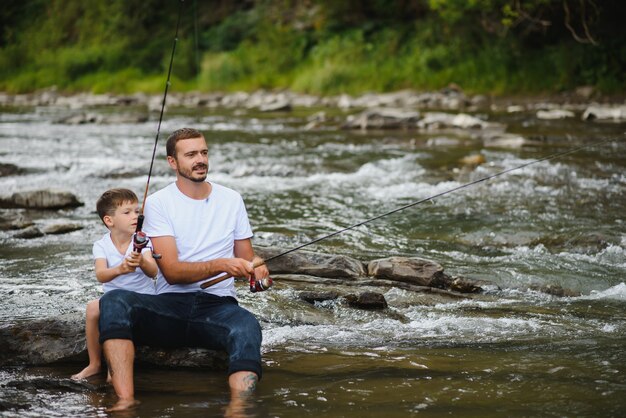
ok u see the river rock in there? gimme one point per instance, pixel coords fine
(312, 297)
(366, 300)
(608, 113)
(12, 221)
(29, 233)
(554, 114)
(383, 118)
(412, 270)
(277, 106)
(506, 141)
(44, 341)
(41, 199)
(61, 228)
(440, 120)
(9, 170)
(312, 264)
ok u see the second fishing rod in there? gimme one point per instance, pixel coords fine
(404, 207)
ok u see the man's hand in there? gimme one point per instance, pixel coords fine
(260, 272)
(238, 267)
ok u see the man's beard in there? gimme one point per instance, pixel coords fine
(188, 174)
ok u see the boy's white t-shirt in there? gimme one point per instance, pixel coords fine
(203, 229)
(136, 281)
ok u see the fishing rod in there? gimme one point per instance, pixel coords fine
(260, 262)
(140, 239)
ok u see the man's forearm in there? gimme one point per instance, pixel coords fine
(183, 272)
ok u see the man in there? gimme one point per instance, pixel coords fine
(201, 230)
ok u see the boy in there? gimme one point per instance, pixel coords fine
(117, 265)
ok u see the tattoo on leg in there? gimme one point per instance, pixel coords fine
(250, 381)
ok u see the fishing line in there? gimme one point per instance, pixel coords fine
(401, 208)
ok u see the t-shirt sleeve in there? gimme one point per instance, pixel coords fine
(242, 228)
(156, 224)
(98, 251)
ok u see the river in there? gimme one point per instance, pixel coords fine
(513, 351)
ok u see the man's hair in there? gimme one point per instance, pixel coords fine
(113, 199)
(183, 133)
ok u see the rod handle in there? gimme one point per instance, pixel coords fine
(259, 262)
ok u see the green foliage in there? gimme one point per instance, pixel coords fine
(318, 46)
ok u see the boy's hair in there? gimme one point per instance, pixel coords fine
(112, 199)
(183, 133)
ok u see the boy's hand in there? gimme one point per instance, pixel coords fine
(130, 263)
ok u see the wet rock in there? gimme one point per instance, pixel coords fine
(277, 106)
(463, 285)
(312, 264)
(13, 406)
(366, 300)
(14, 221)
(42, 341)
(555, 290)
(383, 118)
(507, 141)
(59, 385)
(439, 120)
(61, 228)
(312, 297)
(29, 233)
(80, 119)
(605, 113)
(9, 170)
(412, 270)
(555, 114)
(443, 142)
(473, 160)
(41, 199)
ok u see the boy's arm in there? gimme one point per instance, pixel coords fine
(105, 274)
(148, 264)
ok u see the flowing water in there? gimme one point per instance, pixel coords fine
(512, 351)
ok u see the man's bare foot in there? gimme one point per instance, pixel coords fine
(88, 371)
(123, 405)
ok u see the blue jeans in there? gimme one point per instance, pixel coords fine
(171, 320)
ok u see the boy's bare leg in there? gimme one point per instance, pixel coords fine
(93, 345)
(120, 355)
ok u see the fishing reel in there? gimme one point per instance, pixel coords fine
(140, 240)
(260, 285)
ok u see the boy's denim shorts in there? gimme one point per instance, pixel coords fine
(172, 320)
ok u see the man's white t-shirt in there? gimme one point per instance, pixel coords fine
(204, 229)
(136, 281)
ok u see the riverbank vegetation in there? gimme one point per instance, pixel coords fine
(314, 46)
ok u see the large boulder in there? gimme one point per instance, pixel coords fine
(41, 199)
(312, 264)
(412, 270)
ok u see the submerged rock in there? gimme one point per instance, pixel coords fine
(367, 300)
(41, 199)
(555, 114)
(312, 297)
